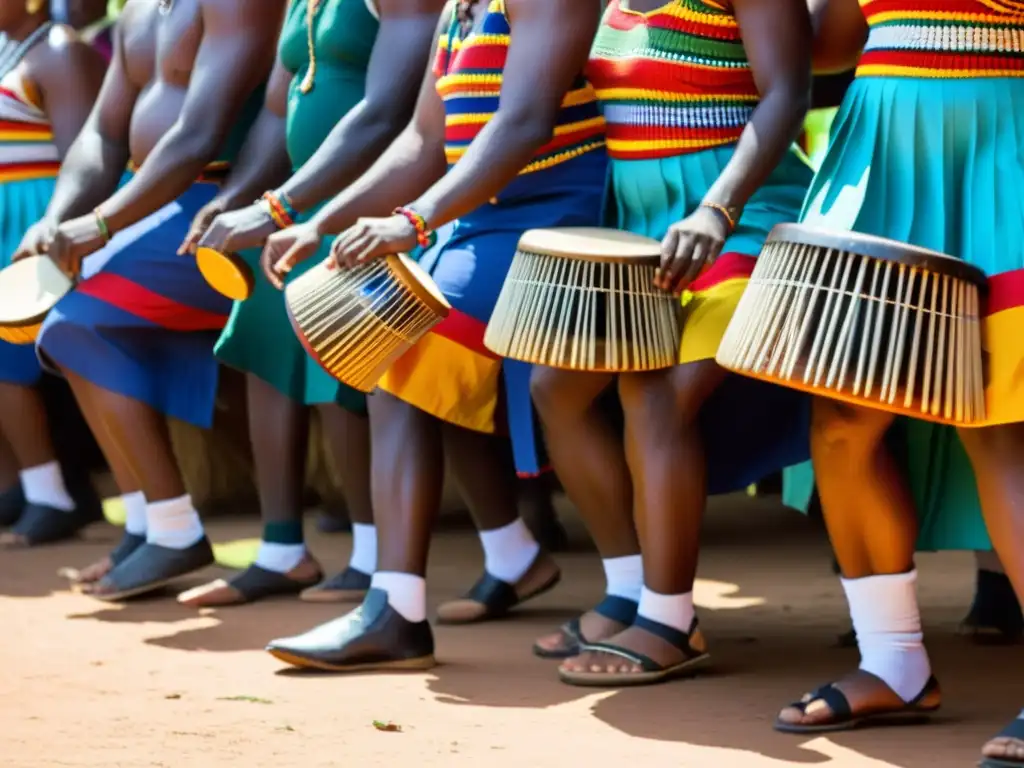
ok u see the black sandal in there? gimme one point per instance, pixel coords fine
(617, 609)
(348, 586)
(372, 637)
(151, 567)
(496, 597)
(652, 672)
(914, 712)
(40, 524)
(1014, 730)
(12, 504)
(252, 584)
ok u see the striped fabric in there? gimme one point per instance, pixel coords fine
(943, 38)
(27, 150)
(469, 75)
(672, 81)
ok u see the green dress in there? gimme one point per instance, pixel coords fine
(258, 338)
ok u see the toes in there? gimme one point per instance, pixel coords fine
(12, 541)
(791, 715)
(1004, 748)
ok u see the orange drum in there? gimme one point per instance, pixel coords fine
(29, 289)
(227, 273)
(357, 322)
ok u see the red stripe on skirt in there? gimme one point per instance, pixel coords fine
(148, 305)
(1005, 291)
(465, 330)
(728, 266)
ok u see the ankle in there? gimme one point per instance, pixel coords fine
(509, 551)
(407, 593)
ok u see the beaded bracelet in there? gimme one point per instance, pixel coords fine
(726, 214)
(101, 225)
(425, 237)
(277, 210)
(286, 203)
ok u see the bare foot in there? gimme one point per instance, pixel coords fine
(483, 604)
(868, 696)
(594, 627)
(1008, 746)
(89, 574)
(661, 651)
(253, 584)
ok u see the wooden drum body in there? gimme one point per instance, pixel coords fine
(865, 320)
(357, 322)
(584, 299)
(29, 289)
(227, 273)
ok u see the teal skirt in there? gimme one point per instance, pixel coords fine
(938, 164)
(750, 429)
(22, 204)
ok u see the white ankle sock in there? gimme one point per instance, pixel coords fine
(279, 558)
(888, 626)
(173, 523)
(671, 610)
(509, 551)
(44, 485)
(134, 513)
(624, 576)
(407, 593)
(364, 548)
(988, 560)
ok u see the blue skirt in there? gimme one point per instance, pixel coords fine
(938, 164)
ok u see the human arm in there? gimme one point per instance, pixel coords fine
(777, 39)
(840, 31)
(262, 163)
(412, 162)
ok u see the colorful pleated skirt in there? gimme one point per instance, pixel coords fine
(450, 374)
(750, 429)
(143, 321)
(939, 164)
(22, 204)
(259, 340)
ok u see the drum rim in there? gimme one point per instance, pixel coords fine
(30, 320)
(205, 254)
(527, 243)
(414, 277)
(876, 247)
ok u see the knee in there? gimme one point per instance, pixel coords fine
(993, 443)
(837, 426)
(559, 394)
(649, 401)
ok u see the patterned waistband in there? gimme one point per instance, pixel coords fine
(638, 130)
(940, 49)
(28, 171)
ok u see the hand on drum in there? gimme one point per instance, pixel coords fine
(284, 249)
(239, 230)
(36, 240)
(373, 238)
(690, 247)
(73, 241)
(201, 224)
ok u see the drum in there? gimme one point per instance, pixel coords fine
(29, 289)
(865, 320)
(584, 299)
(227, 273)
(356, 322)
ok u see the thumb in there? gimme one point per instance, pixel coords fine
(199, 225)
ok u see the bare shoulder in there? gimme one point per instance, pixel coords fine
(63, 52)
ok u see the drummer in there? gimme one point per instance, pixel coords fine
(708, 169)
(331, 115)
(135, 339)
(49, 79)
(449, 396)
(941, 180)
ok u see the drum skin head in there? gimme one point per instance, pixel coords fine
(226, 273)
(590, 244)
(28, 290)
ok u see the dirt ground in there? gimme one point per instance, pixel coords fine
(154, 684)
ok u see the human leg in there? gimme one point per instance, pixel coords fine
(587, 453)
(873, 528)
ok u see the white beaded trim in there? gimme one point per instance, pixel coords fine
(941, 37)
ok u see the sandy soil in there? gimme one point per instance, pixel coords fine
(153, 684)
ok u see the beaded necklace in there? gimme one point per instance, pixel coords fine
(312, 8)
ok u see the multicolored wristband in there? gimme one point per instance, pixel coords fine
(730, 215)
(101, 225)
(425, 237)
(280, 210)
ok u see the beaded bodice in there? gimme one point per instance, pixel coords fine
(671, 81)
(943, 38)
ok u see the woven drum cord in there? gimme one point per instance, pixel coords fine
(358, 321)
(550, 311)
(900, 337)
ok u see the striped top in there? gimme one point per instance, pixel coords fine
(671, 81)
(943, 38)
(27, 150)
(469, 76)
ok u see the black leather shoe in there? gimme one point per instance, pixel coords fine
(372, 637)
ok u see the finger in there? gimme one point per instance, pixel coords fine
(195, 234)
(668, 251)
(696, 264)
(347, 252)
(268, 262)
(375, 247)
(349, 236)
(680, 262)
(298, 251)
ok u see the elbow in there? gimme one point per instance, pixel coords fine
(792, 98)
(195, 145)
(388, 116)
(527, 129)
